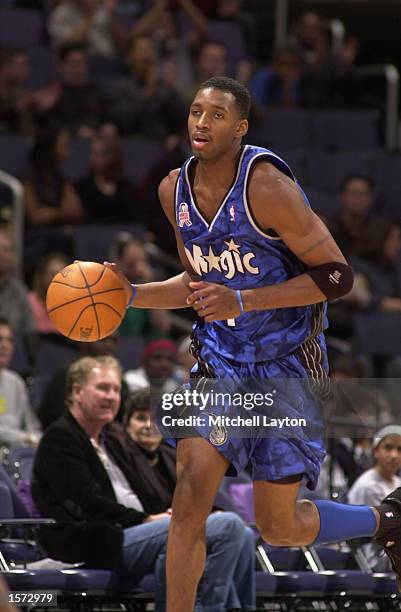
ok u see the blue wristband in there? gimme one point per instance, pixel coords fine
(239, 300)
(133, 294)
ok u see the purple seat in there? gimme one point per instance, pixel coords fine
(230, 35)
(42, 61)
(266, 584)
(242, 497)
(20, 28)
(281, 129)
(34, 579)
(88, 580)
(92, 242)
(325, 171)
(324, 203)
(77, 163)
(14, 151)
(386, 337)
(139, 156)
(344, 129)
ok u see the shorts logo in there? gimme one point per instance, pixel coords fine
(183, 215)
(218, 436)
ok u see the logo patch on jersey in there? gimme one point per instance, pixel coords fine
(232, 213)
(229, 262)
(183, 215)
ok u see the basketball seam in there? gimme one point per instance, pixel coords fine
(84, 297)
(90, 294)
(109, 306)
(78, 317)
(86, 282)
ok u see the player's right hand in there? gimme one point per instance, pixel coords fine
(122, 277)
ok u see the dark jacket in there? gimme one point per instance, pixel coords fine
(71, 485)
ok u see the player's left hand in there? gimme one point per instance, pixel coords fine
(213, 302)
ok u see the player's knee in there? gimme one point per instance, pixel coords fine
(276, 533)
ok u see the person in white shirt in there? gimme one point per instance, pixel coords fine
(18, 423)
(378, 482)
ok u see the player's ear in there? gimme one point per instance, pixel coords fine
(242, 128)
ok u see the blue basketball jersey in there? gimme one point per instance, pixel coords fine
(232, 250)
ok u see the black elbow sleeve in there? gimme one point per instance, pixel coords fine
(334, 279)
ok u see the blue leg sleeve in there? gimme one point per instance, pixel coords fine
(344, 522)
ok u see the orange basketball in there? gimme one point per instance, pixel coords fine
(86, 301)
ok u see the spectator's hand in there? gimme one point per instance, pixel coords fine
(391, 304)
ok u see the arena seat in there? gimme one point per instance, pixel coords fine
(20, 28)
(92, 242)
(20, 462)
(14, 150)
(139, 156)
(344, 129)
(386, 337)
(281, 129)
(230, 35)
(326, 204)
(43, 66)
(326, 170)
(77, 164)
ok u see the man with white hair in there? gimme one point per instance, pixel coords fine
(83, 478)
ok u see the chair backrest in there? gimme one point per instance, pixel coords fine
(93, 242)
(139, 156)
(19, 509)
(339, 129)
(76, 166)
(20, 28)
(6, 504)
(281, 128)
(326, 170)
(230, 35)
(21, 460)
(14, 151)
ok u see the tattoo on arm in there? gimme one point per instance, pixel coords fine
(313, 246)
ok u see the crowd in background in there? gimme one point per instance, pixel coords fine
(124, 69)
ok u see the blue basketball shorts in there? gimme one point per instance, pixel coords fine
(275, 453)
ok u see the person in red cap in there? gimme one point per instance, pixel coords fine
(157, 370)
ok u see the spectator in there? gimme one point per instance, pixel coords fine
(104, 516)
(174, 44)
(355, 229)
(106, 196)
(49, 198)
(87, 22)
(13, 294)
(232, 11)
(155, 461)
(327, 75)
(142, 104)
(278, 84)
(47, 267)
(132, 259)
(157, 370)
(81, 105)
(18, 424)
(53, 403)
(16, 102)
(375, 484)
(210, 61)
(157, 223)
(382, 272)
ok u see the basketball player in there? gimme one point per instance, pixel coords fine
(264, 266)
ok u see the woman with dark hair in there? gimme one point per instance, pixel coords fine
(106, 196)
(49, 198)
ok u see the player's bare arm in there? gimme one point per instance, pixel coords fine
(173, 292)
(277, 204)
